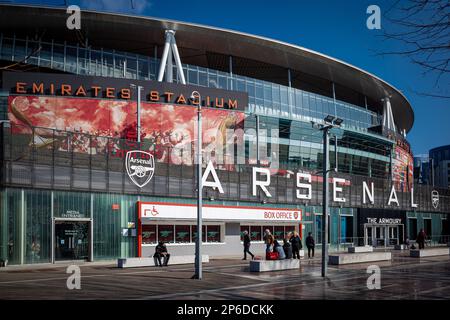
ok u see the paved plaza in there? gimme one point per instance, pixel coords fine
(403, 278)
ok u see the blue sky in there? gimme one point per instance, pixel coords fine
(333, 27)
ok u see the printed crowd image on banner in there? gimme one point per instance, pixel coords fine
(163, 126)
(403, 165)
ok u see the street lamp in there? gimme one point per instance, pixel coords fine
(196, 99)
(138, 125)
(330, 122)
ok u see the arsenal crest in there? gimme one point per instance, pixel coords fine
(140, 167)
(435, 199)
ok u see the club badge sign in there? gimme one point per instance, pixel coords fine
(435, 199)
(140, 167)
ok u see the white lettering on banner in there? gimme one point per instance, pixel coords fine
(262, 184)
(384, 220)
(306, 186)
(337, 189)
(393, 197)
(189, 212)
(369, 193)
(213, 184)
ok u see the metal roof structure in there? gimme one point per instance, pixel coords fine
(253, 56)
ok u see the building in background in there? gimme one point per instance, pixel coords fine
(422, 169)
(440, 159)
(80, 179)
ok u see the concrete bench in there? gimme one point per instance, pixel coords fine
(149, 262)
(431, 252)
(400, 247)
(360, 249)
(274, 265)
(348, 258)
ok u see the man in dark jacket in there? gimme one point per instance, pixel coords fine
(247, 246)
(296, 243)
(287, 249)
(421, 239)
(161, 251)
(310, 244)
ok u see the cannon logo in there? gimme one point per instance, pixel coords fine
(435, 199)
(140, 167)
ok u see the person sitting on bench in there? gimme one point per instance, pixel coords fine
(278, 248)
(161, 251)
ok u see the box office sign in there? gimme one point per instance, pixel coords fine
(157, 210)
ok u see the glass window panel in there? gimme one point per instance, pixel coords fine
(58, 56)
(143, 69)
(131, 70)
(193, 77)
(202, 79)
(7, 45)
(148, 233)
(255, 233)
(213, 233)
(241, 85)
(165, 233)
(71, 59)
(278, 232)
(182, 234)
(194, 233)
(222, 82)
(19, 50)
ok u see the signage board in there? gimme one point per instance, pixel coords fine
(156, 210)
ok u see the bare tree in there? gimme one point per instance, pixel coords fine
(422, 27)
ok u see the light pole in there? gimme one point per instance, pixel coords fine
(138, 125)
(196, 99)
(330, 122)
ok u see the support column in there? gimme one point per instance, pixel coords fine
(334, 100)
(91, 231)
(22, 240)
(52, 217)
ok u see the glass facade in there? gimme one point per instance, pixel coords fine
(265, 98)
(26, 224)
(82, 178)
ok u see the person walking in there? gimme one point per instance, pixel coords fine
(421, 239)
(310, 244)
(247, 242)
(296, 243)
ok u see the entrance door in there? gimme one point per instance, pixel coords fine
(71, 240)
(380, 236)
(368, 235)
(412, 228)
(393, 235)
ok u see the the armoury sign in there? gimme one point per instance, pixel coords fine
(384, 220)
(120, 89)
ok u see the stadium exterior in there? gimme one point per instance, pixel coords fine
(79, 182)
